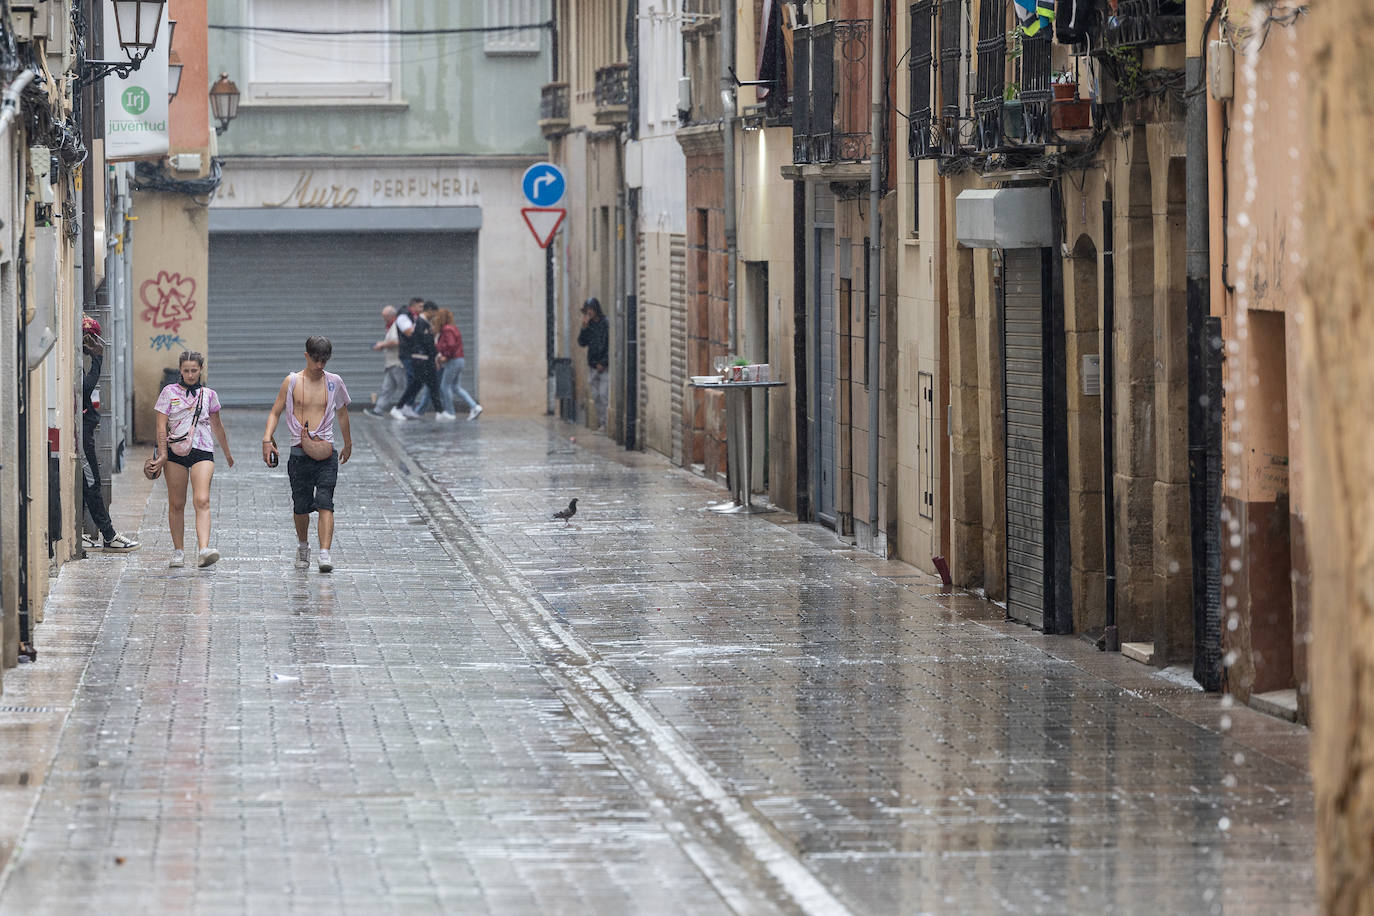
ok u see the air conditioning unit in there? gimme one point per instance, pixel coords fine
(30, 18)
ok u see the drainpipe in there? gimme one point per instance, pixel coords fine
(875, 251)
(1206, 601)
(1111, 636)
(727, 98)
(9, 110)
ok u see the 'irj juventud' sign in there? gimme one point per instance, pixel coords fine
(336, 188)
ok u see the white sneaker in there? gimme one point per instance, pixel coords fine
(326, 564)
(396, 414)
(475, 412)
(445, 417)
(207, 557)
(121, 544)
(302, 556)
(178, 559)
(410, 413)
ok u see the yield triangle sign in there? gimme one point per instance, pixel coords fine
(543, 222)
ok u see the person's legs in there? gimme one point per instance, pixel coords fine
(600, 390)
(93, 495)
(176, 477)
(300, 472)
(326, 477)
(458, 384)
(393, 383)
(416, 381)
(431, 381)
(326, 528)
(202, 472)
(447, 381)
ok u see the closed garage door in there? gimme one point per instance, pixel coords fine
(269, 291)
(1024, 345)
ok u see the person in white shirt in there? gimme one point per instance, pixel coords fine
(393, 373)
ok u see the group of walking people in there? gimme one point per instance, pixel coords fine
(423, 348)
(423, 364)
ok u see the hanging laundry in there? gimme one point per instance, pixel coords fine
(1034, 15)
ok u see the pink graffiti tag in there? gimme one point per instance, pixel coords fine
(168, 301)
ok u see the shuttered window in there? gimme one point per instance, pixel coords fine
(503, 15)
(289, 65)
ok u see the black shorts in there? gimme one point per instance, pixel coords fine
(312, 482)
(195, 456)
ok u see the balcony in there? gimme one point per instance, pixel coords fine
(832, 82)
(613, 95)
(920, 138)
(553, 110)
(1141, 24)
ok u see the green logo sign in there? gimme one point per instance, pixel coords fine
(135, 100)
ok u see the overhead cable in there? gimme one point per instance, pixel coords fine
(331, 33)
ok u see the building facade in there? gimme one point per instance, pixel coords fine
(66, 249)
(999, 358)
(400, 148)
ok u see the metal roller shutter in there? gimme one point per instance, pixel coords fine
(1023, 348)
(268, 292)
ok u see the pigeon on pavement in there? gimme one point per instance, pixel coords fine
(566, 514)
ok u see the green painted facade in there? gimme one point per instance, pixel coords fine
(452, 98)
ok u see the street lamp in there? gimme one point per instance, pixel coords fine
(224, 102)
(174, 67)
(137, 23)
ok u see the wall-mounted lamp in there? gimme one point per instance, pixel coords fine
(174, 67)
(137, 23)
(224, 102)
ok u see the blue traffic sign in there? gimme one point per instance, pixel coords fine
(543, 184)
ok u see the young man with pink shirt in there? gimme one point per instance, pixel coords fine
(316, 406)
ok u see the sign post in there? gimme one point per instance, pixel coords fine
(544, 185)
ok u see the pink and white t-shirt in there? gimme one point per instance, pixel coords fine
(338, 399)
(180, 406)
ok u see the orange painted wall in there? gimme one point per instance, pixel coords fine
(190, 110)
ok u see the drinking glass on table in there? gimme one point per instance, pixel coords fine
(721, 363)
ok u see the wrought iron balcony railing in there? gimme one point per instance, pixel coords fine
(613, 94)
(1141, 23)
(921, 137)
(991, 78)
(832, 82)
(947, 89)
(553, 109)
(801, 94)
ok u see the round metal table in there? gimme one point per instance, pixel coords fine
(739, 446)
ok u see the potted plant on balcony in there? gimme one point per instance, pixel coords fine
(1013, 118)
(1068, 111)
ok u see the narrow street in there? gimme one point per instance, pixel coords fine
(653, 709)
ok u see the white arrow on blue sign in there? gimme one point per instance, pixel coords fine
(543, 184)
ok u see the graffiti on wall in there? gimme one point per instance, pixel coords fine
(160, 342)
(168, 301)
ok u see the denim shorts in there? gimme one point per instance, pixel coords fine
(312, 481)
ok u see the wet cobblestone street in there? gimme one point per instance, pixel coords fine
(654, 709)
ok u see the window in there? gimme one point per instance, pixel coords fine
(325, 68)
(502, 13)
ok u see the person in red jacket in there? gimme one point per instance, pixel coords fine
(451, 359)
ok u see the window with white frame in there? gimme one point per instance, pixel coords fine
(659, 91)
(506, 17)
(286, 62)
